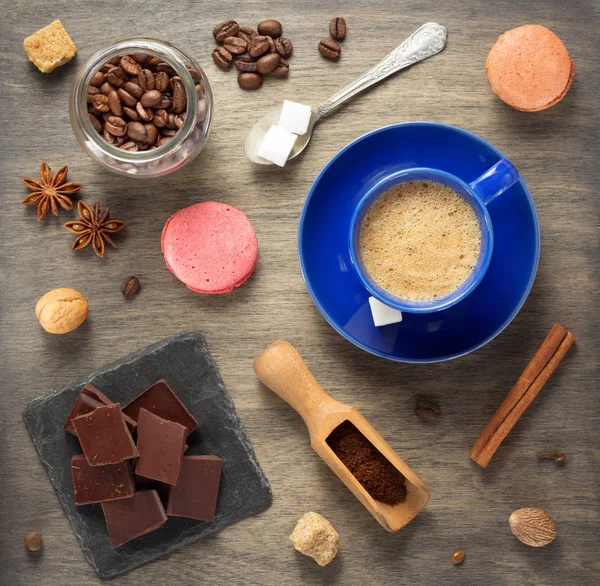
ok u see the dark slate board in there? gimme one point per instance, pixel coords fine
(186, 364)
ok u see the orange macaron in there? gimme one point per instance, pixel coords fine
(530, 68)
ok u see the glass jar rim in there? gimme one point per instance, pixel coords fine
(157, 48)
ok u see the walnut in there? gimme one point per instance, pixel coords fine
(315, 536)
(61, 310)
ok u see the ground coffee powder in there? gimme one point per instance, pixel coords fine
(375, 473)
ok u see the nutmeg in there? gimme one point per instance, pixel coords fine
(61, 311)
(532, 527)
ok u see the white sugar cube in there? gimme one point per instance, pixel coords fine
(295, 117)
(277, 145)
(384, 315)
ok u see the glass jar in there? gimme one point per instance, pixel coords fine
(185, 145)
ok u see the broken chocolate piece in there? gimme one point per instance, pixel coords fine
(161, 444)
(195, 495)
(104, 436)
(98, 484)
(162, 401)
(161, 488)
(90, 398)
(129, 518)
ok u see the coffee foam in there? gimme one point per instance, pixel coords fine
(420, 240)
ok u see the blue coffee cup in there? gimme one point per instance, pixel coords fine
(478, 194)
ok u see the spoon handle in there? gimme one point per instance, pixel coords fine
(426, 41)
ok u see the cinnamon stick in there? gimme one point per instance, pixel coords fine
(530, 383)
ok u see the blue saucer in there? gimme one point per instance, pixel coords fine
(336, 289)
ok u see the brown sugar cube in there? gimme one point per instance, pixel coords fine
(315, 536)
(50, 47)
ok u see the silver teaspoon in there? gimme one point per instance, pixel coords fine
(426, 41)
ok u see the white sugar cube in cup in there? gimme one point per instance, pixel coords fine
(295, 117)
(277, 145)
(384, 315)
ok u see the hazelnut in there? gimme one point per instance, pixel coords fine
(532, 527)
(33, 541)
(61, 310)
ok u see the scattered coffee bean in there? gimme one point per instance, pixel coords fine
(270, 27)
(284, 47)
(427, 410)
(259, 46)
(268, 63)
(272, 48)
(33, 541)
(246, 64)
(130, 286)
(330, 49)
(235, 45)
(249, 81)
(282, 70)
(222, 57)
(337, 28)
(227, 28)
(247, 33)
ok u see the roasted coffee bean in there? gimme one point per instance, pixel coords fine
(268, 63)
(137, 131)
(130, 113)
(171, 121)
(114, 61)
(165, 102)
(146, 80)
(163, 140)
(130, 286)
(91, 92)
(129, 65)
(272, 47)
(246, 64)
(117, 77)
(152, 133)
(249, 81)
(114, 103)
(141, 58)
(170, 132)
(98, 79)
(247, 33)
(195, 74)
(126, 98)
(199, 88)
(179, 95)
(119, 140)
(107, 67)
(162, 66)
(427, 410)
(153, 62)
(337, 28)
(108, 137)
(330, 49)
(227, 28)
(284, 47)
(179, 120)
(106, 88)
(100, 103)
(222, 57)
(258, 46)
(161, 118)
(151, 99)
(134, 89)
(116, 126)
(235, 45)
(282, 70)
(270, 27)
(129, 146)
(95, 123)
(145, 114)
(161, 81)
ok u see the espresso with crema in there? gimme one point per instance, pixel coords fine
(420, 240)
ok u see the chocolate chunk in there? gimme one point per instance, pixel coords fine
(127, 519)
(98, 484)
(104, 436)
(90, 398)
(195, 495)
(162, 401)
(161, 444)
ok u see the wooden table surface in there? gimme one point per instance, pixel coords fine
(556, 152)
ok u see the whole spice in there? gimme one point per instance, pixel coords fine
(557, 456)
(51, 191)
(376, 474)
(458, 558)
(130, 286)
(532, 527)
(33, 541)
(94, 227)
(427, 410)
(337, 28)
(330, 49)
(61, 311)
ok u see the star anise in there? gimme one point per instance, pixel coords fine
(51, 191)
(93, 227)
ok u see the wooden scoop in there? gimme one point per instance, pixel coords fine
(282, 369)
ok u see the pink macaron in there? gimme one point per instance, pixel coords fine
(210, 246)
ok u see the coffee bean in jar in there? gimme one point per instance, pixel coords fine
(137, 102)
